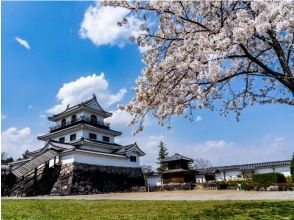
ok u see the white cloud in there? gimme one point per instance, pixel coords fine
(198, 118)
(30, 107)
(119, 118)
(82, 89)
(221, 152)
(100, 25)
(23, 42)
(3, 117)
(17, 141)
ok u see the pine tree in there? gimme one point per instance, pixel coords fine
(162, 154)
(292, 168)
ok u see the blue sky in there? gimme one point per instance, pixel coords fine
(59, 53)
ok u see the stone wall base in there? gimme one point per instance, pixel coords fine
(172, 186)
(78, 178)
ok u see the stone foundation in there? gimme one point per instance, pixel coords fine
(80, 178)
(172, 186)
(63, 184)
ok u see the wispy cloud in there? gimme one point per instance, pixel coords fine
(23, 42)
(3, 117)
(30, 107)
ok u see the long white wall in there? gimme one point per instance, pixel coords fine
(153, 180)
(282, 169)
(98, 159)
(229, 175)
(236, 174)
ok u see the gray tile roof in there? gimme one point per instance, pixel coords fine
(34, 163)
(180, 170)
(51, 144)
(69, 109)
(176, 157)
(129, 148)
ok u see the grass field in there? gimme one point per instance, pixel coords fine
(109, 209)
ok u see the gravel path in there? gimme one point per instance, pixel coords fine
(200, 195)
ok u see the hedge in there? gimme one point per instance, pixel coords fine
(268, 179)
(232, 184)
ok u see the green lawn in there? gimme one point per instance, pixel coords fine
(109, 209)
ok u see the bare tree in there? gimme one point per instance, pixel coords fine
(200, 163)
(3, 155)
(5, 159)
(147, 169)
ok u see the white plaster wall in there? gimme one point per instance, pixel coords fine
(69, 158)
(233, 174)
(284, 170)
(101, 149)
(79, 134)
(99, 135)
(200, 178)
(263, 170)
(51, 162)
(153, 180)
(98, 159)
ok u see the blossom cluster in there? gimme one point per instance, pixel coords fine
(222, 55)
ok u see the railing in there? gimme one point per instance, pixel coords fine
(28, 178)
(31, 176)
(81, 118)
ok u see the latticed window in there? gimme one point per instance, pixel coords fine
(133, 158)
(93, 119)
(105, 138)
(92, 136)
(63, 122)
(73, 137)
(73, 118)
(61, 140)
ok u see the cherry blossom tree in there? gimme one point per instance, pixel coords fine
(220, 55)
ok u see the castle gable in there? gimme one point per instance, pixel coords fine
(95, 105)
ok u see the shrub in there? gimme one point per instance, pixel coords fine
(232, 184)
(292, 168)
(268, 179)
(222, 185)
(289, 180)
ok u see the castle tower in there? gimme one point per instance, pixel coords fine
(83, 146)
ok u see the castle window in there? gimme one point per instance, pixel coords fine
(73, 118)
(105, 138)
(92, 136)
(133, 158)
(63, 122)
(73, 137)
(93, 119)
(61, 140)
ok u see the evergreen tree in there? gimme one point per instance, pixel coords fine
(292, 168)
(162, 154)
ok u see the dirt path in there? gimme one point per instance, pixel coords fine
(200, 195)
